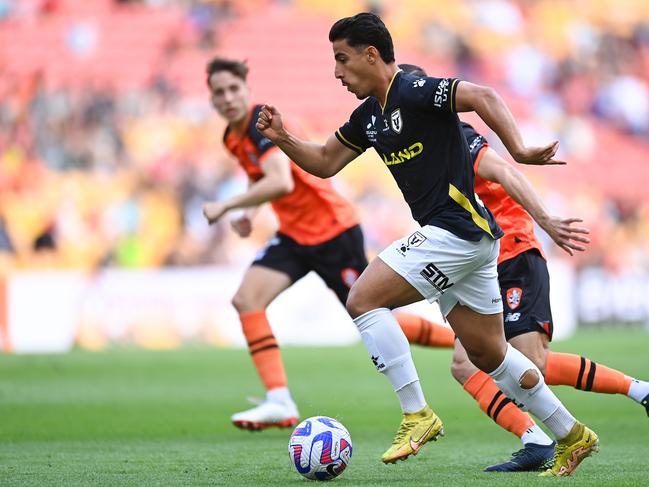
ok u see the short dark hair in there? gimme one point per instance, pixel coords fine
(237, 68)
(412, 69)
(362, 30)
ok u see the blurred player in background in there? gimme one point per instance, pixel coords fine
(413, 126)
(318, 231)
(525, 289)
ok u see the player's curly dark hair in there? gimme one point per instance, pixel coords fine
(237, 68)
(362, 30)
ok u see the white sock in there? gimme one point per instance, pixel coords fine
(539, 400)
(279, 394)
(638, 390)
(536, 435)
(560, 422)
(411, 397)
(390, 352)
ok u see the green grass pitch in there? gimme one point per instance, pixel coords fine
(138, 418)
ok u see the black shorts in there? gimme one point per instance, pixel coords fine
(338, 261)
(525, 289)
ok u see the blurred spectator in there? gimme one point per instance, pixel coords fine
(6, 246)
(45, 241)
(5, 8)
(106, 156)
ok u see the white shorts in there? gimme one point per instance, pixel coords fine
(448, 269)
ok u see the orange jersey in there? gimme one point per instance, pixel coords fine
(310, 214)
(517, 223)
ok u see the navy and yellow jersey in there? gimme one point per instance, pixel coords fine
(418, 135)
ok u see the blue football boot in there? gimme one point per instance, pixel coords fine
(529, 459)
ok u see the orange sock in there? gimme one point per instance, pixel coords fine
(423, 332)
(582, 373)
(263, 349)
(496, 405)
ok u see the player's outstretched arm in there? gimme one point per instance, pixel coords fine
(320, 160)
(491, 108)
(561, 230)
(276, 182)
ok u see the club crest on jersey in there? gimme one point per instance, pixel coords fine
(514, 295)
(395, 120)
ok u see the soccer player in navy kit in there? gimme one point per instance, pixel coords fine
(412, 124)
(318, 231)
(525, 290)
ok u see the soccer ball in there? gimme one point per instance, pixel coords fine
(320, 448)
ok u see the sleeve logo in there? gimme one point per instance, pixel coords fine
(441, 94)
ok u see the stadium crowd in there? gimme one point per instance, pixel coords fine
(93, 173)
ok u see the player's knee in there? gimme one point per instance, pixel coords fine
(487, 353)
(461, 369)
(354, 308)
(529, 379)
(542, 363)
(355, 304)
(244, 303)
(481, 361)
(538, 359)
(540, 356)
(485, 358)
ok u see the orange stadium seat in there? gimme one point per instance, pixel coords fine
(292, 67)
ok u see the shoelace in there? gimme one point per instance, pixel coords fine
(518, 453)
(547, 464)
(404, 429)
(559, 449)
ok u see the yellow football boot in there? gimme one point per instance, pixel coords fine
(415, 430)
(580, 443)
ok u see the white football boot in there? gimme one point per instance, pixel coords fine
(267, 414)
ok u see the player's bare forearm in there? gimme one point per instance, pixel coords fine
(252, 211)
(310, 156)
(277, 181)
(262, 191)
(266, 189)
(320, 160)
(520, 189)
(491, 108)
(561, 230)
